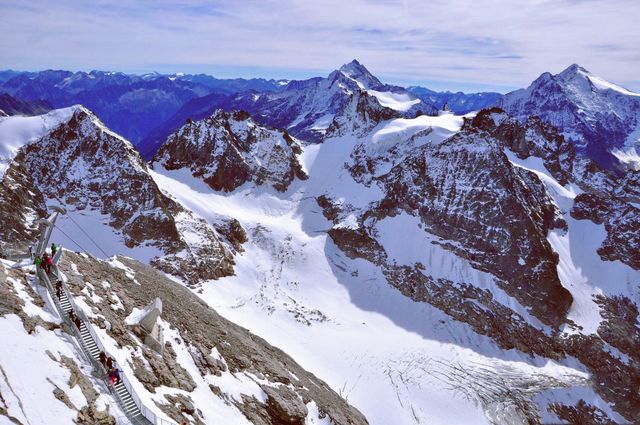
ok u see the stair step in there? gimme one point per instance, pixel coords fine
(132, 408)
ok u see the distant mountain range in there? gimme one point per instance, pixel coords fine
(146, 108)
(600, 118)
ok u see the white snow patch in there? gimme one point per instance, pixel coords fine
(397, 101)
(628, 157)
(606, 85)
(16, 131)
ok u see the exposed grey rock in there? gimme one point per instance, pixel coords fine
(227, 150)
(497, 216)
(621, 221)
(285, 406)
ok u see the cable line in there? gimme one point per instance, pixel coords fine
(71, 239)
(94, 242)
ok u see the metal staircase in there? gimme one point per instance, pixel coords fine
(91, 346)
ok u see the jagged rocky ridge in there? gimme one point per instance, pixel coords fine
(497, 216)
(88, 168)
(227, 150)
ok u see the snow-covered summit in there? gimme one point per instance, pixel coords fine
(599, 117)
(356, 71)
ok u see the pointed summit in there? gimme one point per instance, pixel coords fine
(575, 73)
(358, 72)
(574, 69)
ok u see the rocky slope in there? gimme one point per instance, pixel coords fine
(96, 173)
(211, 370)
(600, 119)
(227, 150)
(43, 373)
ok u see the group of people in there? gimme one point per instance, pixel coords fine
(109, 365)
(46, 261)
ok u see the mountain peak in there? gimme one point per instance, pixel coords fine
(574, 71)
(358, 72)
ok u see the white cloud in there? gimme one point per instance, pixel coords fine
(495, 42)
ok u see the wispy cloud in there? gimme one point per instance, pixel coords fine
(486, 43)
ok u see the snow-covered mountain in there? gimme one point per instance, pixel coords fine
(456, 232)
(601, 119)
(459, 103)
(132, 105)
(436, 268)
(107, 188)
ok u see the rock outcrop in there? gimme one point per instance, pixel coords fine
(227, 150)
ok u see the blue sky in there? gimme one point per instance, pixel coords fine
(452, 44)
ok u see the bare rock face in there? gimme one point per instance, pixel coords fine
(360, 114)
(533, 137)
(227, 150)
(285, 406)
(20, 204)
(620, 326)
(90, 415)
(582, 414)
(621, 221)
(497, 216)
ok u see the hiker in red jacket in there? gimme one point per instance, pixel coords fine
(47, 262)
